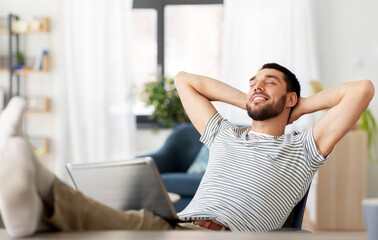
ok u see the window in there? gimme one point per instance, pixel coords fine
(193, 39)
(144, 54)
(174, 35)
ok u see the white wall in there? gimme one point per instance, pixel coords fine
(347, 34)
(150, 140)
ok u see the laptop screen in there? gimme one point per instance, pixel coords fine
(124, 185)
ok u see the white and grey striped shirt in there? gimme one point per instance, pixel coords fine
(253, 180)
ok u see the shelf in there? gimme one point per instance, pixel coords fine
(23, 71)
(15, 27)
(5, 31)
(32, 112)
(40, 145)
(28, 71)
(36, 106)
(21, 26)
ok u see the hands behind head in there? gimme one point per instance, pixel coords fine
(297, 112)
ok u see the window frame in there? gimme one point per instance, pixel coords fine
(159, 5)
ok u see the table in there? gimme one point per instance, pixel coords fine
(190, 235)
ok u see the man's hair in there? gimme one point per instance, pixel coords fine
(292, 83)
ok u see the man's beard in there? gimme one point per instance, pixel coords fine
(269, 111)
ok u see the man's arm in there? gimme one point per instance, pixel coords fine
(346, 102)
(197, 91)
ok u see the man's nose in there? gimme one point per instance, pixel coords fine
(258, 87)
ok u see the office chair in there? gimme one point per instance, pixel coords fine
(294, 221)
(177, 154)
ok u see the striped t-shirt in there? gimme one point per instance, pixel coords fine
(253, 180)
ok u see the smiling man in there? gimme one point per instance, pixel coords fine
(255, 176)
(274, 78)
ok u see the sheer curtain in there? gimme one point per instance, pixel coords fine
(94, 118)
(260, 31)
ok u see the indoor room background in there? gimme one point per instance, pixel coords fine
(101, 53)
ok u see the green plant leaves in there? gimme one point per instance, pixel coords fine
(367, 123)
(164, 97)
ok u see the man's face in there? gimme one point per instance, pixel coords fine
(267, 95)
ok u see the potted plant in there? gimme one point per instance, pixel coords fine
(162, 95)
(368, 123)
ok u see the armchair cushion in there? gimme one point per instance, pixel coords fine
(200, 163)
(182, 183)
(179, 150)
(173, 160)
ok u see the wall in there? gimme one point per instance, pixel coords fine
(150, 140)
(347, 34)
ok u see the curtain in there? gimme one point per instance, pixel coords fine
(94, 117)
(261, 31)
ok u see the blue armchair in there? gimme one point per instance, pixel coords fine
(173, 160)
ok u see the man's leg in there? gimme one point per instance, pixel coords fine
(24, 182)
(73, 211)
(26, 186)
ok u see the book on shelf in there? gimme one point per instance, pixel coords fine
(41, 62)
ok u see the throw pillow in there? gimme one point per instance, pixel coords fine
(200, 163)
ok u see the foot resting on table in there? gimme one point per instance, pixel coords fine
(24, 182)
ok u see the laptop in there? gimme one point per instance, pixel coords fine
(126, 185)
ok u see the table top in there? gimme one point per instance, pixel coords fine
(190, 235)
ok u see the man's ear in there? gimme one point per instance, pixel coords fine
(291, 99)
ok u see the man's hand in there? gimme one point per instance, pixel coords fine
(345, 102)
(298, 111)
(196, 93)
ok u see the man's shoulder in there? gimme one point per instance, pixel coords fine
(298, 136)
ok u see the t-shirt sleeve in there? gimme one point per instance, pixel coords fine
(215, 125)
(313, 155)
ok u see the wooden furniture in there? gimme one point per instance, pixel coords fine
(198, 235)
(17, 71)
(17, 27)
(340, 186)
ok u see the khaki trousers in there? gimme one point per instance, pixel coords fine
(73, 211)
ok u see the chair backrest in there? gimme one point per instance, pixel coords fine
(178, 151)
(296, 216)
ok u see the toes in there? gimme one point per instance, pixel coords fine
(11, 118)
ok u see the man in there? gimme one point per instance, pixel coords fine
(254, 178)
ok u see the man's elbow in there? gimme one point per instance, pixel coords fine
(368, 89)
(180, 77)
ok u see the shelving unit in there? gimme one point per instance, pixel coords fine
(16, 71)
(11, 34)
(25, 71)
